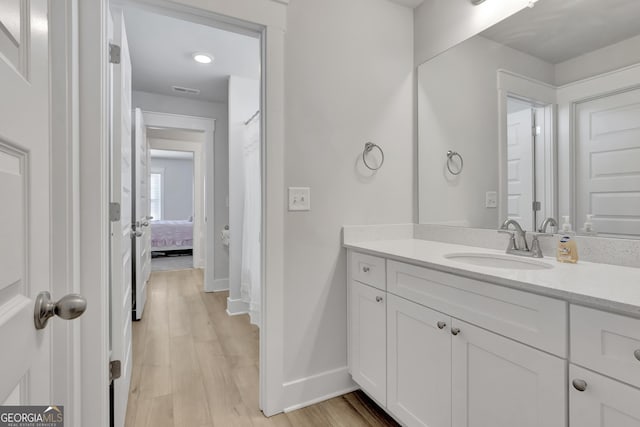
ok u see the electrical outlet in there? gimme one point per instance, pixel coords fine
(299, 199)
(491, 199)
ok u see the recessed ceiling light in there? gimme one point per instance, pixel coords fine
(202, 58)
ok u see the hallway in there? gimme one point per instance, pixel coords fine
(195, 366)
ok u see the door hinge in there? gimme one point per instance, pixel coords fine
(115, 370)
(537, 206)
(114, 211)
(536, 130)
(114, 53)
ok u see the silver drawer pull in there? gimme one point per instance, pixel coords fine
(455, 331)
(637, 354)
(580, 385)
(366, 269)
(379, 299)
(441, 325)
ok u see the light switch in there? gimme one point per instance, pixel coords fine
(491, 199)
(299, 199)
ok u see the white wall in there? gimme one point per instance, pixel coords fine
(599, 61)
(441, 24)
(458, 110)
(244, 101)
(349, 80)
(178, 187)
(191, 107)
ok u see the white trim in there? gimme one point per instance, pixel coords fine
(236, 307)
(220, 285)
(65, 336)
(317, 388)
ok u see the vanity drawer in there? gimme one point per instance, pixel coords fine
(607, 343)
(368, 269)
(532, 319)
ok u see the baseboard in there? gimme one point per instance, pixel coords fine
(236, 307)
(317, 388)
(218, 285)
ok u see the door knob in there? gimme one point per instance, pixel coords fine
(378, 299)
(145, 223)
(455, 331)
(441, 325)
(637, 354)
(366, 269)
(580, 385)
(68, 307)
(136, 233)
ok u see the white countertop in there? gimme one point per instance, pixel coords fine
(604, 286)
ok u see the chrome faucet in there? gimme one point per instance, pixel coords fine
(546, 223)
(521, 248)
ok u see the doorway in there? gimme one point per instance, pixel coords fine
(184, 74)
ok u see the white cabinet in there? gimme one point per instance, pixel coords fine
(597, 401)
(368, 339)
(419, 364)
(498, 382)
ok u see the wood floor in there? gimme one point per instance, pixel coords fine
(194, 366)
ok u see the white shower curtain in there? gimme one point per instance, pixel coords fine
(250, 271)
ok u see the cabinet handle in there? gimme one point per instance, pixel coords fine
(441, 325)
(379, 299)
(455, 331)
(580, 385)
(637, 354)
(366, 269)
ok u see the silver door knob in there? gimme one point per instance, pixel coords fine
(68, 307)
(455, 331)
(580, 385)
(379, 299)
(149, 217)
(366, 269)
(441, 325)
(136, 233)
(637, 354)
(145, 223)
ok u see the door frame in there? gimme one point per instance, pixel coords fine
(65, 202)
(266, 17)
(204, 220)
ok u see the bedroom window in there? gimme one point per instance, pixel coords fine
(156, 182)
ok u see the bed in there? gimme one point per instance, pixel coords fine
(171, 235)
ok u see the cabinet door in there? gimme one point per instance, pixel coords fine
(368, 340)
(603, 402)
(418, 364)
(498, 382)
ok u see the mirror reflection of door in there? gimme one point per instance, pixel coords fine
(520, 158)
(608, 163)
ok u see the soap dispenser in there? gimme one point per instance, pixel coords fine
(567, 248)
(588, 226)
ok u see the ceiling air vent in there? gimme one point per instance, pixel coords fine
(186, 90)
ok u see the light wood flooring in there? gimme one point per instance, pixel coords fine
(194, 366)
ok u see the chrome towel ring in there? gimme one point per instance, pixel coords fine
(450, 156)
(367, 149)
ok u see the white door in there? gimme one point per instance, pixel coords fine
(25, 236)
(597, 401)
(608, 164)
(419, 364)
(141, 215)
(121, 230)
(368, 343)
(520, 152)
(498, 382)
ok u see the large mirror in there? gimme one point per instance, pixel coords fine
(536, 117)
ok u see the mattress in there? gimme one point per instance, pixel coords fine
(171, 235)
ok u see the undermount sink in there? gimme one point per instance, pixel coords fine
(499, 261)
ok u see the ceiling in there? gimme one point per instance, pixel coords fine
(162, 51)
(558, 30)
(166, 154)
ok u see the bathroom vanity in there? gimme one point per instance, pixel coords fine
(452, 335)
